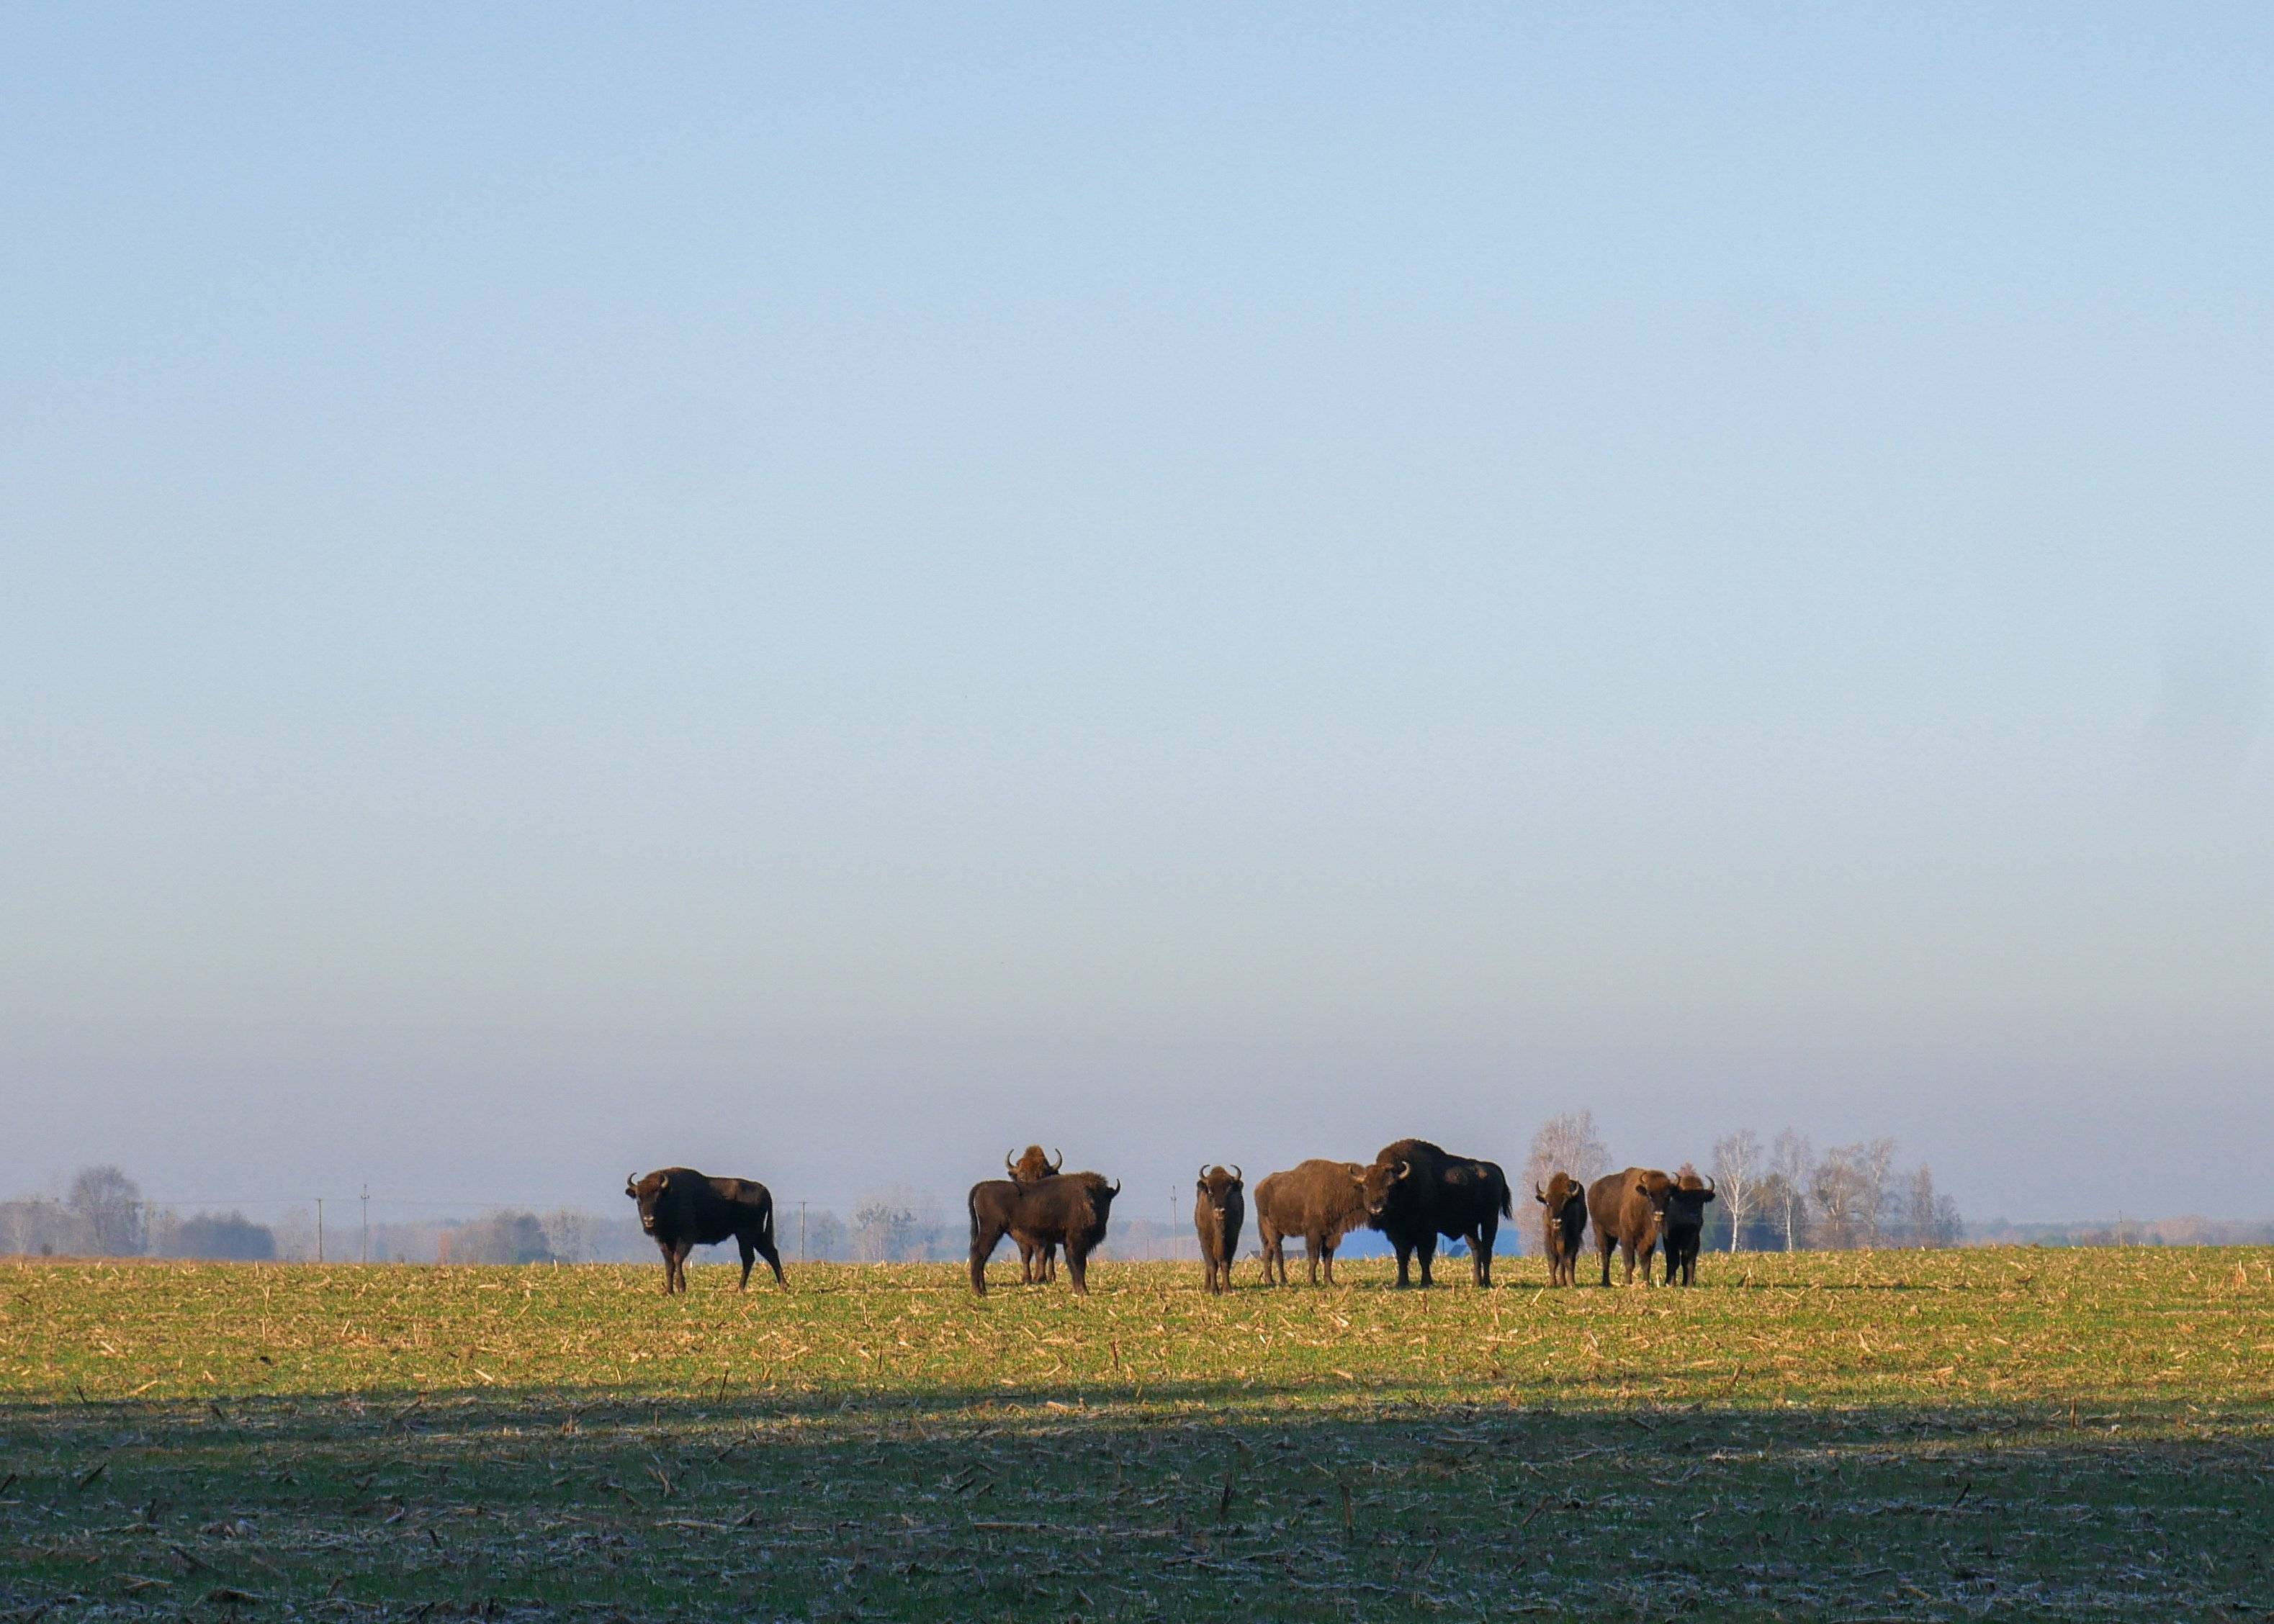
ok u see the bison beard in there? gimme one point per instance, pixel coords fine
(1067, 1209)
(1415, 1192)
(683, 1209)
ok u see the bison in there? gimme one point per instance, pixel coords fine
(1685, 1222)
(1414, 1193)
(1066, 1209)
(1635, 1210)
(1564, 1221)
(683, 1209)
(1218, 1214)
(1320, 1201)
(1038, 1260)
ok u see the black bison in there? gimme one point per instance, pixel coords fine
(1415, 1192)
(1217, 1213)
(1564, 1221)
(1066, 1209)
(1685, 1223)
(683, 1209)
(1635, 1210)
(1319, 1201)
(1038, 1260)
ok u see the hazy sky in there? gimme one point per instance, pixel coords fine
(820, 593)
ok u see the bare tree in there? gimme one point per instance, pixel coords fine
(1849, 1187)
(108, 1207)
(1564, 1144)
(1876, 1166)
(1737, 1180)
(1930, 1218)
(1791, 1159)
(883, 1231)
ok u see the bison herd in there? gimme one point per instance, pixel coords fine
(1413, 1192)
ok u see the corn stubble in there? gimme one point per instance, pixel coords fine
(1936, 1435)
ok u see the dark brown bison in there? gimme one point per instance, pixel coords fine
(1637, 1209)
(1685, 1222)
(1415, 1192)
(1218, 1211)
(1564, 1221)
(1066, 1209)
(1038, 1260)
(1319, 1201)
(683, 1209)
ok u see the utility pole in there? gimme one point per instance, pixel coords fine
(801, 1231)
(366, 1223)
(320, 1228)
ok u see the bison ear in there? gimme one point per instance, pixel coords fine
(1642, 1189)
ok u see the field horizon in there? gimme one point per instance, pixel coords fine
(1935, 1434)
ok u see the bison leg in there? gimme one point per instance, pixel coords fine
(1480, 1248)
(1427, 1250)
(985, 1236)
(1078, 1269)
(1405, 1260)
(1327, 1251)
(767, 1250)
(749, 1259)
(678, 1263)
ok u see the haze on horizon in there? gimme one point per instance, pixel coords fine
(824, 594)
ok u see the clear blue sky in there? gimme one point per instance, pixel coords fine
(819, 593)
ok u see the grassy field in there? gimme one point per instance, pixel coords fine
(2053, 1434)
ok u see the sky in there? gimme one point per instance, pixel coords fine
(822, 592)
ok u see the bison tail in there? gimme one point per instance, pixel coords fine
(1507, 1201)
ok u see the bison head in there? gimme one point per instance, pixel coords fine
(1382, 1184)
(1217, 1187)
(1561, 1190)
(1682, 1211)
(1032, 1167)
(647, 1191)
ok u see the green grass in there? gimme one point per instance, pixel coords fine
(2052, 1434)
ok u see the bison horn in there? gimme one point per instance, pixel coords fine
(631, 1186)
(1008, 1166)
(1237, 1176)
(1057, 1158)
(1405, 1170)
(1537, 1190)
(1203, 1172)
(1117, 1186)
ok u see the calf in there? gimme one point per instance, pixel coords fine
(683, 1209)
(1218, 1214)
(1320, 1201)
(1564, 1221)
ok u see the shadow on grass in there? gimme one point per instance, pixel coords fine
(1117, 1501)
